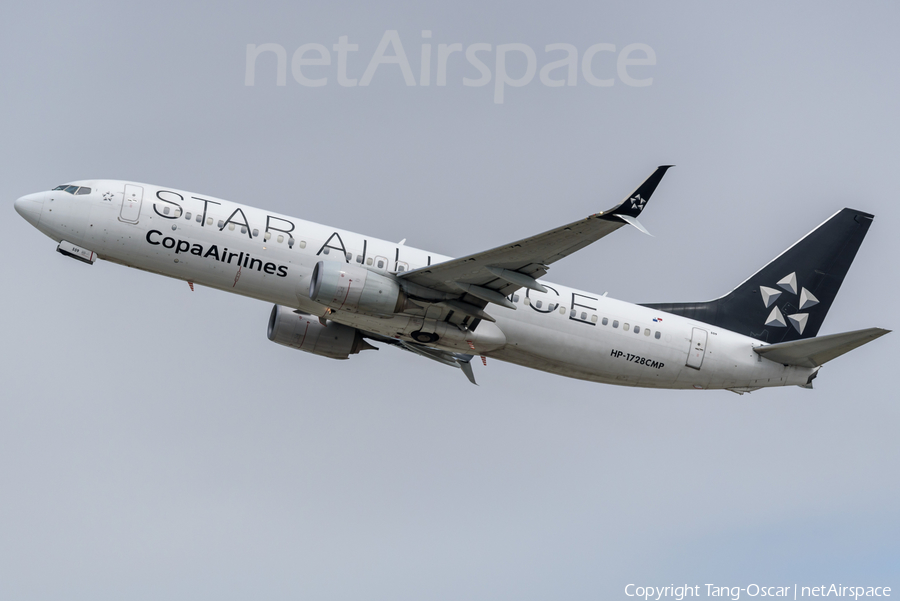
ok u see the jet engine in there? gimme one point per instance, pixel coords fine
(356, 289)
(307, 333)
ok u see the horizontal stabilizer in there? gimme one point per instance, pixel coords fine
(813, 352)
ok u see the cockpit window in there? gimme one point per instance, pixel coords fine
(73, 189)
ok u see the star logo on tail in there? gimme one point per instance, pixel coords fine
(776, 318)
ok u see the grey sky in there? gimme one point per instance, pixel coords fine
(155, 445)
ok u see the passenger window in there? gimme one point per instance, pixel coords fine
(243, 229)
(255, 233)
(583, 316)
(199, 218)
(165, 210)
(646, 331)
(616, 323)
(230, 227)
(280, 238)
(267, 236)
(637, 329)
(326, 250)
(538, 304)
(369, 261)
(302, 243)
(221, 224)
(209, 221)
(572, 313)
(656, 335)
(593, 319)
(626, 327)
(401, 268)
(359, 259)
(562, 310)
(290, 243)
(380, 264)
(83, 190)
(515, 298)
(605, 321)
(349, 257)
(187, 215)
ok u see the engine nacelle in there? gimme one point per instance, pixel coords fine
(356, 289)
(306, 333)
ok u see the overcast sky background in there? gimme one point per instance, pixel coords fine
(155, 445)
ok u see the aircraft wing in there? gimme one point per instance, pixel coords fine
(492, 275)
(460, 360)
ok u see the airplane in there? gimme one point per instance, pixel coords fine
(336, 292)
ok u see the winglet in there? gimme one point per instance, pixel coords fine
(634, 203)
(631, 220)
(466, 367)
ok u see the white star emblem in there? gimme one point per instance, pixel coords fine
(789, 284)
(637, 202)
(107, 196)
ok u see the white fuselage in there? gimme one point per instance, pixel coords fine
(264, 255)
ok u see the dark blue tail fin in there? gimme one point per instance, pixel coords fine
(788, 298)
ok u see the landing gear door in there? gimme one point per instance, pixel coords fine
(131, 204)
(698, 348)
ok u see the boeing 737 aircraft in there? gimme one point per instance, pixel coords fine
(335, 290)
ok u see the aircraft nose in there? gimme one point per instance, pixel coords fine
(29, 207)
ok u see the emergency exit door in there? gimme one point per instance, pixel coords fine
(698, 348)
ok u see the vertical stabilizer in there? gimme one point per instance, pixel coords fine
(788, 298)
